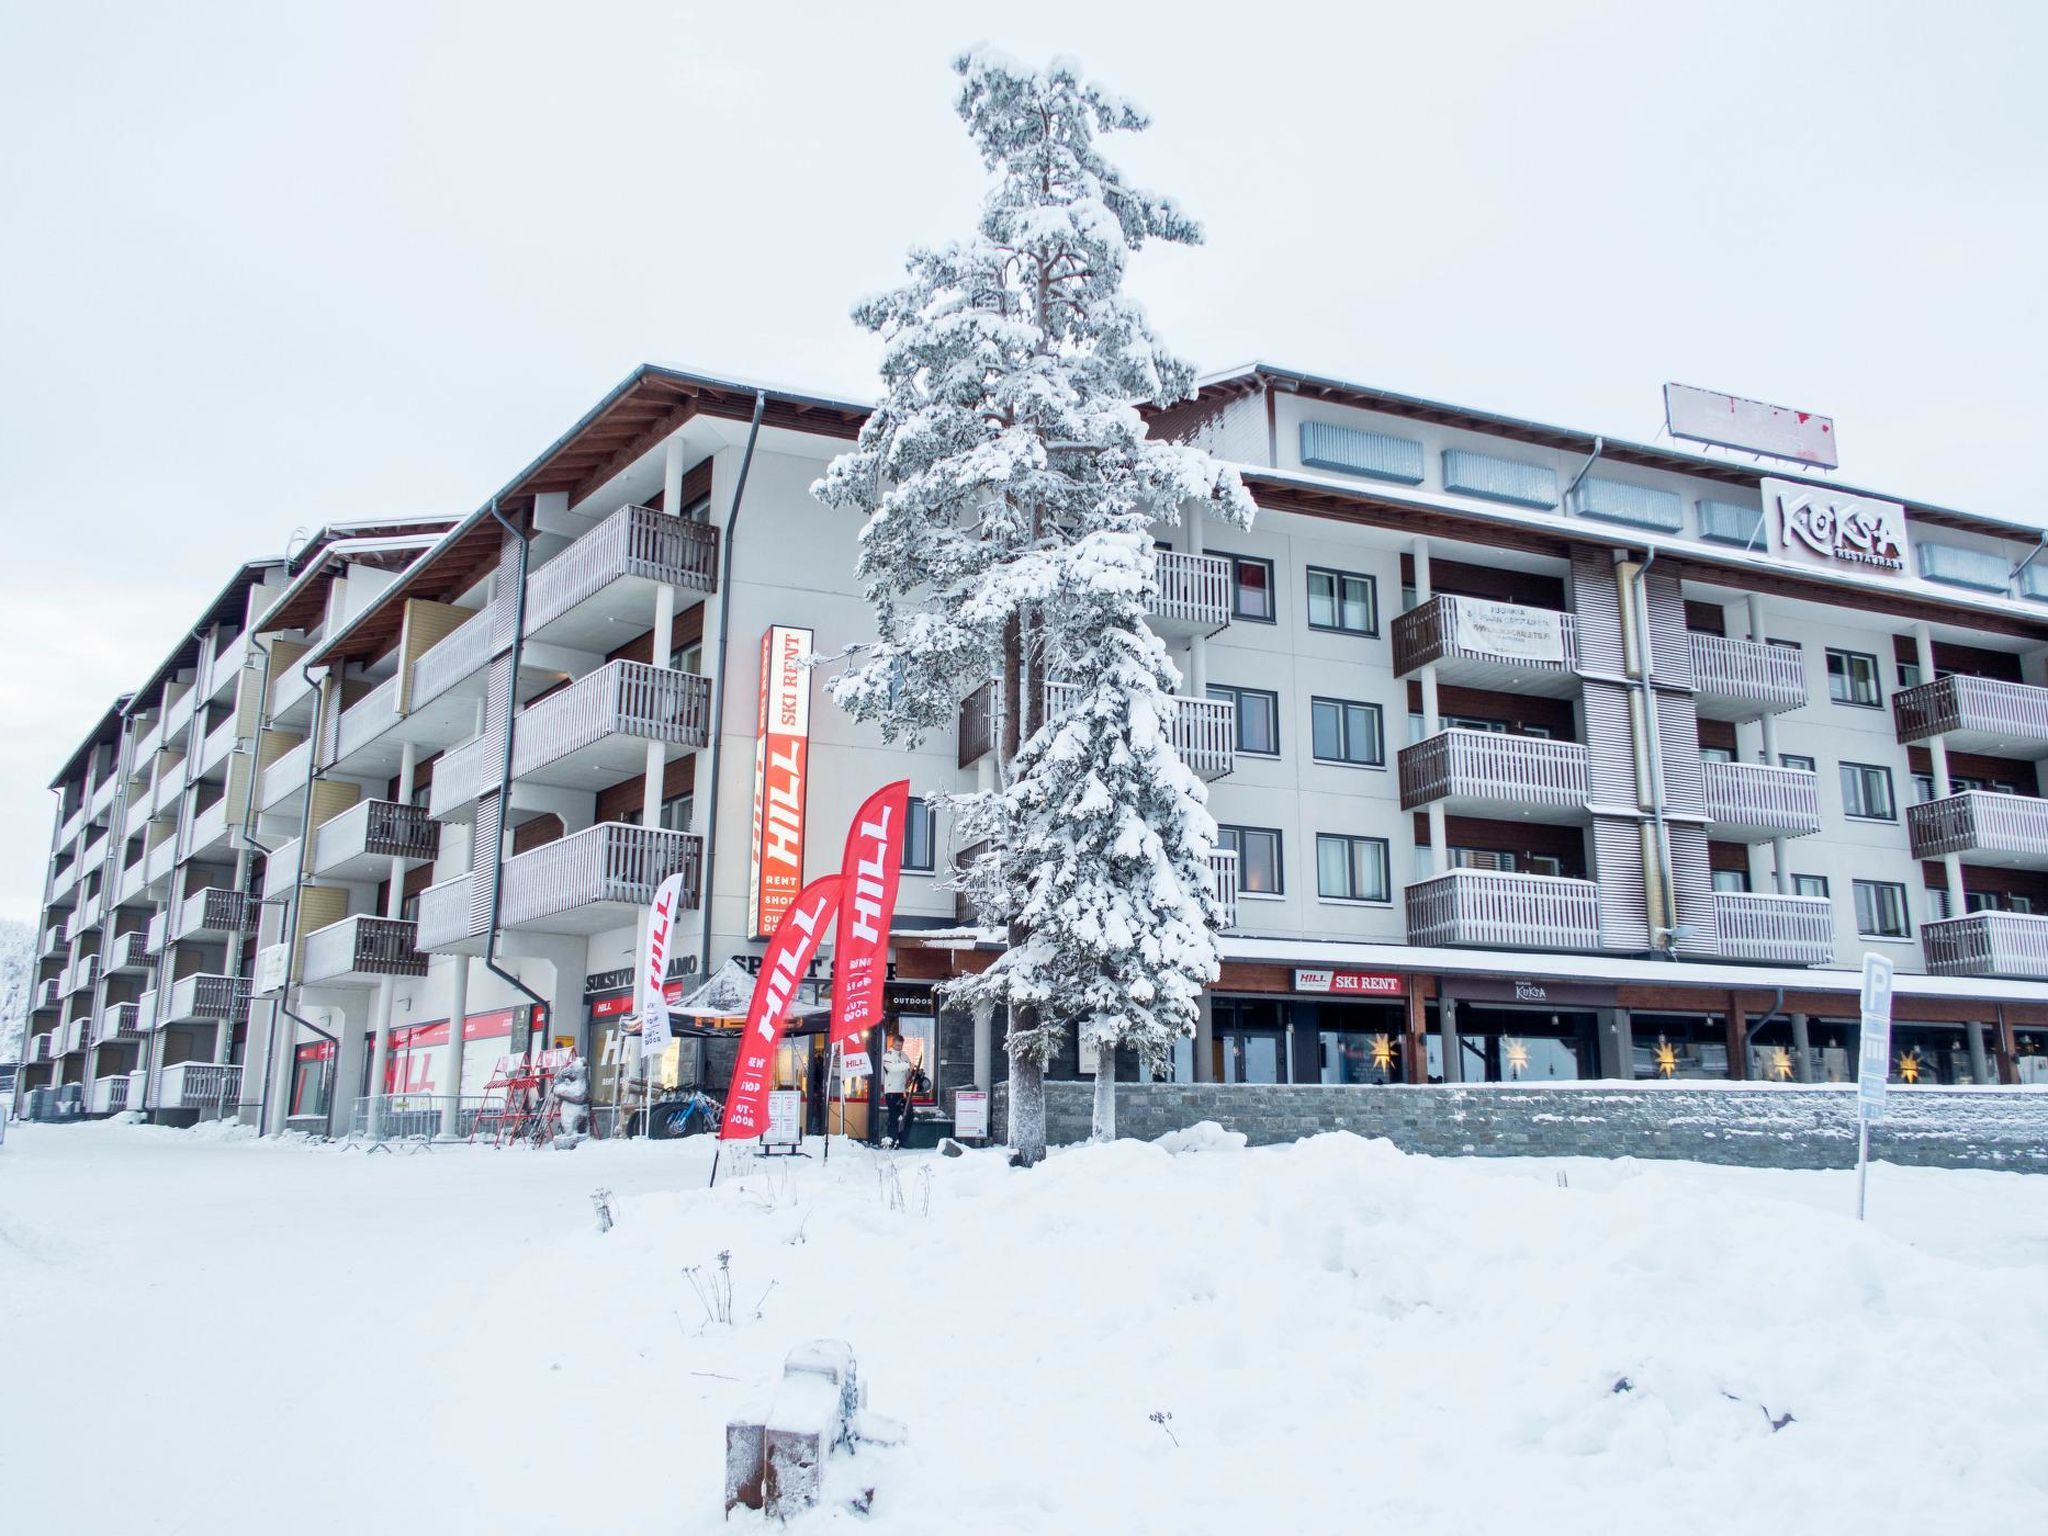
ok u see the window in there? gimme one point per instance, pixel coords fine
(1810, 885)
(1502, 861)
(1731, 879)
(1716, 755)
(1881, 910)
(1987, 901)
(1258, 718)
(1867, 792)
(1347, 732)
(1923, 788)
(1351, 868)
(1344, 601)
(1852, 679)
(1258, 858)
(1251, 588)
(688, 657)
(920, 836)
(676, 812)
(1795, 760)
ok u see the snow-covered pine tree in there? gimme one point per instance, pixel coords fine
(1009, 492)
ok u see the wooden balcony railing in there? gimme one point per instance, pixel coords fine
(1743, 679)
(1194, 590)
(610, 862)
(2014, 713)
(1786, 930)
(1482, 908)
(1998, 828)
(622, 698)
(1488, 766)
(383, 829)
(363, 946)
(633, 541)
(1783, 802)
(1431, 632)
(458, 655)
(2007, 944)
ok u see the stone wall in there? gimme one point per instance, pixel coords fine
(1752, 1126)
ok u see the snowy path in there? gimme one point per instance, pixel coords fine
(225, 1337)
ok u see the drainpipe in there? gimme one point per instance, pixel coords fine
(2032, 555)
(291, 942)
(1769, 725)
(1665, 939)
(1599, 447)
(490, 955)
(732, 524)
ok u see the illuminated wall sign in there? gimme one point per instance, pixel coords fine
(1349, 983)
(782, 740)
(1817, 526)
(1729, 421)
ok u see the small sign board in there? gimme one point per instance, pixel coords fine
(970, 1114)
(1729, 421)
(1874, 1061)
(1509, 630)
(785, 1118)
(1349, 983)
(856, 1064)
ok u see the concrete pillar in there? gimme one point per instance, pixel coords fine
(1205, 1039)
(1617, 1045)
(1980, 1062)
(1452, 1046)
(1802, 1050)
(984, 1046)
(458, 1014)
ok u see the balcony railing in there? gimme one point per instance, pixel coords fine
(1744, 679)
(209, 829)
(624, 699)
(198, 1085)
(227, 663)
(1785, 930)
(1487, 644)
(82, 974)
(632, 542)
(552, 886)
(203, 997)
(1194, 591)
(1203, 731)
(444, 921)
(1482, 771)
(77, 1035)
(129, 951)
(116, 1022)
(462, 773)
(213, 912)
(1223, 884)
(52, 937)
(1976, 714)
(161, 859)
(1751, 801)
(1983, 827)
(220, 741)
(42, 1048)
(1482, 908)
(133, 878)
(286, 774)
(50, 991)
(110, 1094)
(362, 949)
(2008, 944)
(459, 654)
(145, 1010)
(365, 720)
(288, 689)
(371, 833)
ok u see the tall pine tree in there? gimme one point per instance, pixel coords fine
(1010, 493)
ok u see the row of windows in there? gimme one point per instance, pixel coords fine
(1346, 602)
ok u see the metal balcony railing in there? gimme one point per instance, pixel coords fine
(1486, 909)
(363, 947)
(1744, 679)
(1981, 825)
(444, 919)
(110, 1094)
(199, 1085)
(220, 741)
(227, 663)
(215, 911)
(376, 829)
(82, 974)
(611, 862)
(1755, 799)
(365, 720)
(1785, 930)
(52, 937)
(145, 1010)
(458, 655)
(118, 1021)
(1494, 769)
(622, 698)
(633, 541)
(2007, 944)
(77, 1035)
(1484, 652)
(1194, 590)
(2003, 718)
(133, 878)
(42, 1048)
(206, 997)
(129, 951)
(462, 773)
(50, 991)
(102, 795)
(288, 688)
(147, 744)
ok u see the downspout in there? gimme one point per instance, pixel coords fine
(1599, 447)
(2032, 555)
(291, 950)
(1757, 1026)
(490, 955)
(732, 524)
(1653, 744)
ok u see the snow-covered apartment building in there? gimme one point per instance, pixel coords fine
(1537, 754)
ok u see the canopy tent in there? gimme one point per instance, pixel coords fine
(719, 1007)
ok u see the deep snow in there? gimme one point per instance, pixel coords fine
(223, 1336)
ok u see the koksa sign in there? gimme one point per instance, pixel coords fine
(1816, 526)
(1350, 983)
(782, 740)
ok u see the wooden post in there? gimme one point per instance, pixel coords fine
(1415, 1042)
(1738, 1039)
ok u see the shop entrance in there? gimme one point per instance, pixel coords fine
(1505, 1044)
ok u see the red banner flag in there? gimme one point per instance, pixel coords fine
(867, 902)
(796, 940)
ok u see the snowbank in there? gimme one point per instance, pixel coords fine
(1345, 1338)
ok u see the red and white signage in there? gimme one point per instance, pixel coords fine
(797, 937)
(661, 927)
(1351, 983)
(867, 902)
(417, 1061)
(1729, 421)
(782, 743)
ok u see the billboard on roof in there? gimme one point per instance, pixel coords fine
(1729, 421)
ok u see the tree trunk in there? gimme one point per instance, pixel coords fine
(1105, 1092)
(1012, 697)
(1027, 1099)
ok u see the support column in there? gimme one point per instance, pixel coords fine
(1802, 1050)
(1937, 749)
(1738, 1039)
(1205, 1039)
(1980, 1062)
(1617, 1045)
(1415, 1037)
(1432, 722)
(2007, 1050)
(984, 1046)
(458, 1015)
(1453, 1048)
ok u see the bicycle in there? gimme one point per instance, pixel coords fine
(691, 1115)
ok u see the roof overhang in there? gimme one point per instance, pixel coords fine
(106, 728)
(231, 601)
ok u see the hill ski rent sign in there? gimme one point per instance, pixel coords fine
(782, 741)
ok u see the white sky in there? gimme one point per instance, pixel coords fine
(268, 265)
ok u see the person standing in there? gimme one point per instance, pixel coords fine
(895, 1092)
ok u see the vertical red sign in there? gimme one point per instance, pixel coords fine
(797, 937)
(782, 738)
(867, 901)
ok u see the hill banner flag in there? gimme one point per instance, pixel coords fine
(661, 927)
(797, 937)
(867, 902)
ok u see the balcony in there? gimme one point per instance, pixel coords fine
(50, 991)
(161, 859)
(1476, 908)
(1194, 594)
(284, 781)
(102, 796)
(82, 975)
(291, 695)
(602, 586)
(1223, 886)
(361, 724)
(360, 951)
(457, 658)
(42, 1048)
(1781, 930)
(597, 879)
(1744, 679)
(2005, 944)
(593, 732)
(133, 879)
(360, 843)
(215, 750)
(1752, 802)
(1484, 773)
(118, 1021)
(205, 999)
(179, 715)
(129, 952)
(1976, 714)
(158, 933)
(1983, 827)
(1203, 731)
(227, 664)
(77, 1036)
(208, 833)
(213, 913)
(460, 776)
(137, 815)
(199, 1085)
(145, 1010)
(110, 1094)
(445, 922)
(1503, 646)
(63, 883)
(148, 744)
(53, 937)
(170, 783)
(96, 852)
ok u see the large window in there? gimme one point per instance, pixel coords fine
(1501, 861)
(1258, 858)
(676, 812)
(1881, 910)
(1810, 885)
(1867, 792)
(1351, 868)
(1853, 679)
(1258, 718)
(1346, 731)
(1251, 588)
(1343, 601)
(1731, 880)
(920, 836)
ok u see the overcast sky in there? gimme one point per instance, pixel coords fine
(270, 265)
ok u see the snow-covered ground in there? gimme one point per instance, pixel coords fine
(222, 1336)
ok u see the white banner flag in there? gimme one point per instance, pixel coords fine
(654, 1031)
